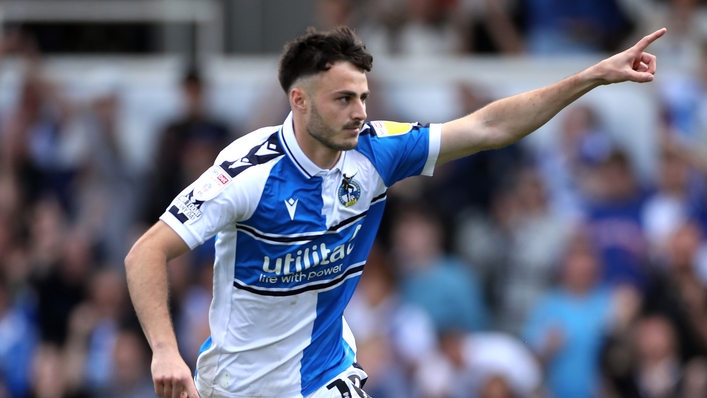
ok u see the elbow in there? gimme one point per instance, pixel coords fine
(132, 258)
(500, 135)
(495, 137)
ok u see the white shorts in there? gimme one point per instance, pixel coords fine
(347, 384)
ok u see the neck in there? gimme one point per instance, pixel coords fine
(319, 154)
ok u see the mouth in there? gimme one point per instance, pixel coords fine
(353, 128)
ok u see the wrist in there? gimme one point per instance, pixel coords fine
(592, 77)
(164, 346)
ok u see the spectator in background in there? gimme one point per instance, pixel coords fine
(565, 329)
(561, 27)
(47, 227)
(655, 368)
(431, 29)
(13, 245)
(94, 328)
(186, 148)
(439, 283)
(489, 364)
(333, 13)
(581, 142)
(614, 219)
(496, 387)
(696, 202)
(61, 263)
(677, 292)
(538, 238)
(481, 173)
(131, 368)
(682, 193)
(45, 152)
(48, 374)
(491, 26)
(485, 237)
(18, 340)
(377, 22)
(659, 372)
(109, 188)
(683, 100)
(679, 191)
(515, 247)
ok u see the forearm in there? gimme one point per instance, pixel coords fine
(146, 271)
(513, 118)
(508, 120)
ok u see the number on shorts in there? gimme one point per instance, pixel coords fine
(356, 383)
(344, 389)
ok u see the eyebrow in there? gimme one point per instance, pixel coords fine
(349, 93)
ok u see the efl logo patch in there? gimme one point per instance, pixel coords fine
(349, 191)
(211, 183)
(385, 128)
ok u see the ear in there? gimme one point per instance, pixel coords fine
(299, 100)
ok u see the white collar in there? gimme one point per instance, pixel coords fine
(303, 163)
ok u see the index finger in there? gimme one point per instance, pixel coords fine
(647, 40)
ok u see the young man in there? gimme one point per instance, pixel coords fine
(296, 208)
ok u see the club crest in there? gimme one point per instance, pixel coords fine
(349, 191)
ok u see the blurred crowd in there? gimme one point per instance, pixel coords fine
(521, 272)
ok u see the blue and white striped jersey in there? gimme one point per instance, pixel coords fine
(292, 240)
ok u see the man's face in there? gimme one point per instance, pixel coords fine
(338, 106)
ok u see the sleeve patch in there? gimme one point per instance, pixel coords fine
(385, 128)
(211, 183)
(185, 210)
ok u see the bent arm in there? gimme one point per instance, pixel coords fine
(508, 120)
(146, 271)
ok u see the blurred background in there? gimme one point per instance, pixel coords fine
(571, 264)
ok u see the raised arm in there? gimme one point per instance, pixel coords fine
(506, 121)
(146, 269)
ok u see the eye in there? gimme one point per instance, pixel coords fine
(344, 100)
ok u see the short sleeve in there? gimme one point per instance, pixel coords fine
(401, 150)
(228, 192)
(206, 206)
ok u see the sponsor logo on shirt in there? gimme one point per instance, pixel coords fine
(307, 258)
(385, 128)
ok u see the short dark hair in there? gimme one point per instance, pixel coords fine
(316, 52)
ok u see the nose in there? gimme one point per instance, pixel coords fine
(359, 110)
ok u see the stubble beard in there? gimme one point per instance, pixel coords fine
(325, 134)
